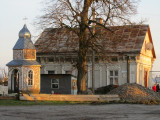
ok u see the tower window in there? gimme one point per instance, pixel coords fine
(30, 77)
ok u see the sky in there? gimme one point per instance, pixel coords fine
(12, 13)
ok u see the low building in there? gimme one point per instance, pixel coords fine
(58, 84)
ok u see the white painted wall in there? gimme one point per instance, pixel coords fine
(102, 71)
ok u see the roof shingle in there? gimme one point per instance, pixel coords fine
(129, 39)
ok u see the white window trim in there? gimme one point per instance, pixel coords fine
(32, 79)
(114, 76)
(110, 68)
(54, 83)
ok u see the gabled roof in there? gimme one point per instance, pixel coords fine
(129, 40)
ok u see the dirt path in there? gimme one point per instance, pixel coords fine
(81, 112)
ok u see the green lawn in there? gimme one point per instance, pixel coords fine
(26, 103)
(18, 102)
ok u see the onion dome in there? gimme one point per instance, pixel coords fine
(24, 41)
(24, 32)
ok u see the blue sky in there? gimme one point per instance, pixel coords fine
(12, 13)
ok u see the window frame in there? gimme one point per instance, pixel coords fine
(68, 72)
(51, 60)
(114, 77)
(51, 71)
(30, 80)
(54, 83)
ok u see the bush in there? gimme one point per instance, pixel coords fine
(106, 89)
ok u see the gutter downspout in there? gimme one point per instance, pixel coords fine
(128, 70)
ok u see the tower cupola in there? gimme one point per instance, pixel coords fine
(24, 41)
(24, 32)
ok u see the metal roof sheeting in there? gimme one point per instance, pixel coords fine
(24, 43)
(22, 62)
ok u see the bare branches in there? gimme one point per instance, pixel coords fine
(72, 12)
(3, 77)
(76, 16)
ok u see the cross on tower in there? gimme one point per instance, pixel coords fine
(25, 19)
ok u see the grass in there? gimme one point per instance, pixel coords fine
(25, 103)
(28, 103)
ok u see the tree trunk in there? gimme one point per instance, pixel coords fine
(81, 81)
(82, 68)
(83, 48)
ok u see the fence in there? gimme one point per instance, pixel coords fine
(3, 90)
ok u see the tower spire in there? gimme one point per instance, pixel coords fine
(25, 20)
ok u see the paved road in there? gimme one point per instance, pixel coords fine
(81, 112)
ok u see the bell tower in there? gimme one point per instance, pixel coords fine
(24, 70)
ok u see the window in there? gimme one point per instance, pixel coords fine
(51, 72)
(30, 77)
(74, 84)
(55, 83)
(68, 72)
(114, 59)
(51, 59)
(114, 77)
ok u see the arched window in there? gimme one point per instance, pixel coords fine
(30, 77)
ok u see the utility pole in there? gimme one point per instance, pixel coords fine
(93, 52)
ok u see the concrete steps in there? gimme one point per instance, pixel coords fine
(81, 98)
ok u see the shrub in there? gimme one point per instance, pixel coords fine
(106, 89)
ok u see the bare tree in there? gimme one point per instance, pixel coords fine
(3, 77)
(77, 16)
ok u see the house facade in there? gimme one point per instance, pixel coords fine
(129, 61)
(48, 66)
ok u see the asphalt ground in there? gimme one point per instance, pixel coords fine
(81, 112)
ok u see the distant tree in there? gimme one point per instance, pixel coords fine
(77, 16)
(3, 77)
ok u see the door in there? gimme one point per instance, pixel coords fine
(145, 78)
(15, 81)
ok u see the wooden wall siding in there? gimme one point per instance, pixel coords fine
(64, 84)
(17, 54)
(29, 54)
